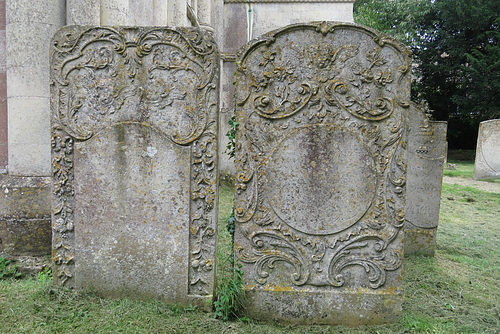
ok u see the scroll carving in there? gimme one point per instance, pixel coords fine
(102, 77)
(321, 157)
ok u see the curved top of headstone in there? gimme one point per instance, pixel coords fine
(490, 121)
(132, 74)
(340, 54)
(325, 27)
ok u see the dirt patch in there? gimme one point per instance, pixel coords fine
(491, 187)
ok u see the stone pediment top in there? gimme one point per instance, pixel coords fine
(280, 1)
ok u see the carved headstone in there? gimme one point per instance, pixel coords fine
(487, 165)
(321, 168)
(426, 154)
(134, 153)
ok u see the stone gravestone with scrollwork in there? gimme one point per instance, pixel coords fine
(426, 154)
(487, 162)
(134, 153)
(321, 168)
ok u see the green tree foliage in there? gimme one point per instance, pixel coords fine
(401, 19)
(459, 66)
(457, 55)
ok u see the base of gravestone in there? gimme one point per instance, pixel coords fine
(420, 241)
(325, 308)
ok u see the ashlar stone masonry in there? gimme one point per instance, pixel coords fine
(321, 170)
(487, 164)
(134, 161)
(426, 154)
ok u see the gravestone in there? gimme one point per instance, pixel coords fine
(487, 164)
(426, 154)
(320, 183)
(134, 161)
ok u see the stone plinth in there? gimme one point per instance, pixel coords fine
(25, 216)
(321, 170)
(487, 164)
(134, 161)
(426, 155)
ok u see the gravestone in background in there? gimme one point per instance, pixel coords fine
(134, 153)
(321, 172)
(426, 154)
(487, 164)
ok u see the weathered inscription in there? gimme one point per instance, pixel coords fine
(134, 151)
(320, 183)
(426, 154)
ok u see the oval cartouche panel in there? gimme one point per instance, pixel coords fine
(321, 179)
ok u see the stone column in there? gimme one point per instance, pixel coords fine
(177, 13)
(160, 12)
(205, 12)
(3, 91)
(30, 27)
(117, 12)
(114, 12)
(27, 27)
(141, 13)
(83, 12)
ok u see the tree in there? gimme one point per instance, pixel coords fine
(401, 19)
(459, 66)
(456, 49)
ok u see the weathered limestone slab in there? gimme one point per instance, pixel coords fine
(134, 148)
(487, 164)
(426, 154)
(321, 174)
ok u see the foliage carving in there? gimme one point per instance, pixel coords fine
(105, 76)
(311, 80)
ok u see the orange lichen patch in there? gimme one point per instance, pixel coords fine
(279, 288)
(391, 290)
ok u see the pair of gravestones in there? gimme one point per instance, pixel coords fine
(324, 112)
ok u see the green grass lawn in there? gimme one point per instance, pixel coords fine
(464, 169)
(457, 291)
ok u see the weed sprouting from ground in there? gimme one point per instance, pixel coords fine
(45, 275)
(230, 300)
(8, 269)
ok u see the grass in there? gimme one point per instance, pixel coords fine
(457, 291)
(465, 169)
